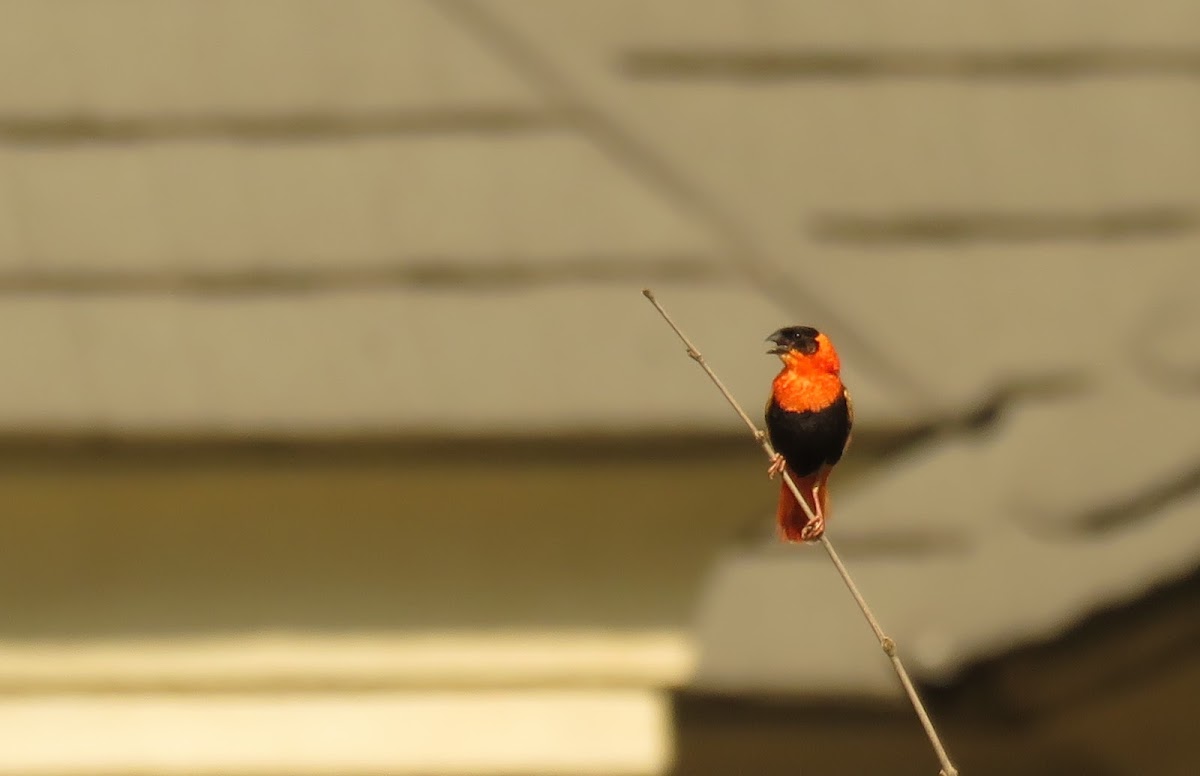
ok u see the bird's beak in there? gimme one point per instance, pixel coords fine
(779, 348)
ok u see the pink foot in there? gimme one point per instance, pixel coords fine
(816, 527)
(814, 530)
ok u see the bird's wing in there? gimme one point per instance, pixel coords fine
(849, 418)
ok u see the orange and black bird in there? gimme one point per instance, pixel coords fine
(809, 417)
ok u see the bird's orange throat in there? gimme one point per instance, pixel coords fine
(809, 382)
(806, 392)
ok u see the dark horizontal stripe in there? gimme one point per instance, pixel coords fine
(901, 543)
(351, 447)
(294, 127)
(740, 64)
(940, 228)
(119, 448)
(1146, 506)
(407, 274)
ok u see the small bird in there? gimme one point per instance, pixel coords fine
(809, 416)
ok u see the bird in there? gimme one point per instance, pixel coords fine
(809, 418)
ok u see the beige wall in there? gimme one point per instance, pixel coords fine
(228, 224)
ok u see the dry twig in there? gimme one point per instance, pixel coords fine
(885, 642)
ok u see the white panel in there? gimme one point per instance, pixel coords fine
(459, 659)
(204, 206)
(87, 206)
(516, 732)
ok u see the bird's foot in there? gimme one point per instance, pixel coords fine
(816, 527)
(814, 530)
(777, 466)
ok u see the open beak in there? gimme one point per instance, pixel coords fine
(779, 348)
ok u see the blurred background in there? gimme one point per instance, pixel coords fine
(336, 437)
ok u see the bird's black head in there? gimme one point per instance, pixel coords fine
(802, 339)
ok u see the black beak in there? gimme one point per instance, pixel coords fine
(780, 347)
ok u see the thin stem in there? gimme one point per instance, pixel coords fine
(889, 647)
(885, 642)
(759, 435)
(696, 356)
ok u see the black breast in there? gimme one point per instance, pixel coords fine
(809, 440)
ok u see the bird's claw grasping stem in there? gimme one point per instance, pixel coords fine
(814, 530)
(777, 466)
(816, 527)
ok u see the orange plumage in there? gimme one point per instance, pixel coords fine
(809, 417)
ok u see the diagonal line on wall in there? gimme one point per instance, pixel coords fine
(630, 149)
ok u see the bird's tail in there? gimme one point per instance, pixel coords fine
(791, 516)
